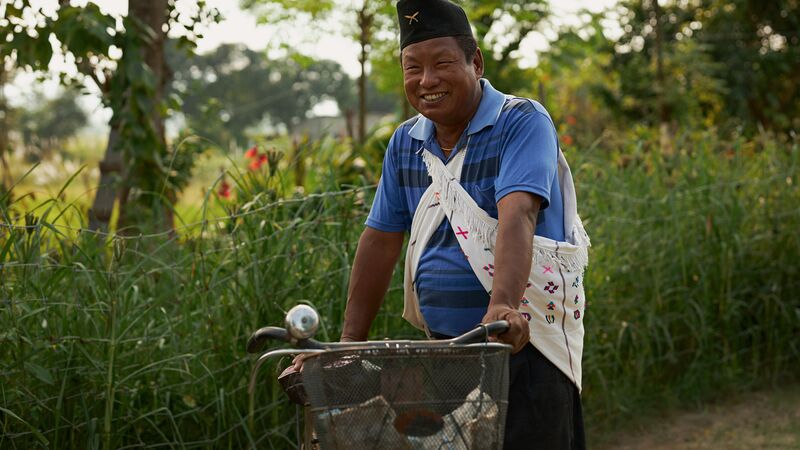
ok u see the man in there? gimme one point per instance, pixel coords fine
(506, 150)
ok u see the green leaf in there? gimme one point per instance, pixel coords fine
(33, 430)
(39, 372)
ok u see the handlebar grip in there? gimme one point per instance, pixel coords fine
(481, 332)
(260, 337)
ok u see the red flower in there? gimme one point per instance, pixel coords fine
(251, 153)
(256, 163)
(571, 120)
(224, 189)
(567, 139)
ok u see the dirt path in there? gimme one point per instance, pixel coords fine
(762, 420)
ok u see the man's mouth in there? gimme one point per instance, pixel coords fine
(434, 97)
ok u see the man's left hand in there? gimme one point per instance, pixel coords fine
(518, 333)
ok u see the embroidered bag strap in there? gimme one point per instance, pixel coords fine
(426, 220)
(555, 276)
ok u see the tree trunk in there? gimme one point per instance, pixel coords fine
(348, 117)
(152, 13)
(111, 168)
(365, 19)
(4, 142)
(299, 160)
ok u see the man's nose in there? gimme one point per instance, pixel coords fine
(430, 78)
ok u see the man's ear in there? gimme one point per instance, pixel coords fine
(477, 63)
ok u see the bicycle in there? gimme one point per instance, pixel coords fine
(394, 394)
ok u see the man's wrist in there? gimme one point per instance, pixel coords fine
(495, 303)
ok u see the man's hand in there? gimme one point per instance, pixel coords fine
(297, 362)
(518, 333)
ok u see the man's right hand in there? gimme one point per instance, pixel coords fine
(297, 362)
(518, 333)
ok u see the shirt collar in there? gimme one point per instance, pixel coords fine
(488, 111)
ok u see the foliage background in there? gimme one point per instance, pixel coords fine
(686, 175)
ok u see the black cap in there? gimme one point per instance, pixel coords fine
(421, 20)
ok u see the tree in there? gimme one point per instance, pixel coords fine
(500, 28)
(233, 88)
(370, 17)
(575, 80)
(717, 62)
(49, 122)
(138, 166)
(5, 181)
(758, 45)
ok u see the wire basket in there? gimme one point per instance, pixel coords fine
(403, 398)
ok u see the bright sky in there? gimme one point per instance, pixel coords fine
(241, 27)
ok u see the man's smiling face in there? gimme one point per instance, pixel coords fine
(440, 83)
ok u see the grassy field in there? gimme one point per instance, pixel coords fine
(130, 342)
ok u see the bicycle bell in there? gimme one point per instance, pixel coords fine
(302, 322)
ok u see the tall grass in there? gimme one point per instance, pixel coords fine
(122, 342)
(694, 273)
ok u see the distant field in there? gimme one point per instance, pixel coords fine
(82, 155)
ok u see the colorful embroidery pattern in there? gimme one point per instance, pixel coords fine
(489, 269)
(551, 287)
(549, 318)
(577, 282)
(526, 316)
(551, 306)
(462, 233)
(547, 269)
(577, 314)
(577, 299)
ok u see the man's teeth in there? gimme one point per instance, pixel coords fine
(432, 97)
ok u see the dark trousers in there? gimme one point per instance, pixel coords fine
(544, 407)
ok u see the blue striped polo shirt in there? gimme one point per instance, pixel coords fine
(513, 146)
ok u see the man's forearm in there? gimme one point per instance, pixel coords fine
(376, 256)
(513, 251)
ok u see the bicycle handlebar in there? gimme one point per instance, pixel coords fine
(260, 337)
